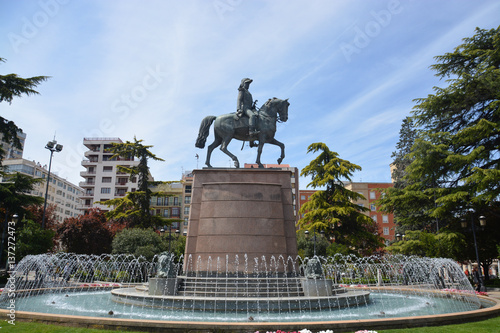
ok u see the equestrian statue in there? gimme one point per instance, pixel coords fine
(246, 124)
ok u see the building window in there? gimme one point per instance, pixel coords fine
(187, 200)
(166, 201)
(386, 231)
(159, 201)
(188, 189)
(106, 179)
(374, 218)
(176, 201)
(105, 190)
(176, 212)
(186, 210)
(107, 168)
(166, 213)
(372, 195)
(373, 208)
(121, 181)
(385, 218)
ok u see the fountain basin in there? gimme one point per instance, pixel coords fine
(489, 308)
(402, 292)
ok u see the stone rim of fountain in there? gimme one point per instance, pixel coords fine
(493, 310)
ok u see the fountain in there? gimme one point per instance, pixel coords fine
(241, 272)
(112, 290)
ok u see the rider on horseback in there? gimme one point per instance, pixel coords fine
(246, 105)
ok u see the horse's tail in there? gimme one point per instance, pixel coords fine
(204, 131)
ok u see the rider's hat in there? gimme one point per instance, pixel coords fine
(243, 81)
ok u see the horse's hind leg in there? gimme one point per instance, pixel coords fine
(215, 144)
(223, 147)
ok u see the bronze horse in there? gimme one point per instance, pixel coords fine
(227, 127)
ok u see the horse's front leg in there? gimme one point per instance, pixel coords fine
(223, 147)
(282, 146)
(259, 152)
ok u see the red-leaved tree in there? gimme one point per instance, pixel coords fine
(86, 234)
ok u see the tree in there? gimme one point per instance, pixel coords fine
(426, 244)
(32, 239)
(461, 126)
(86, 234)
(407, 136)
(35, 213)
(409, 204)
(456, 157)
(305, 245)
(11, 85)
(135, 206)
(14, 200)
(137, 241)
(13, 194)
(334, 210)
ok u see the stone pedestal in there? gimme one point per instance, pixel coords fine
(317, 287)
(162, 286)
(238, 212)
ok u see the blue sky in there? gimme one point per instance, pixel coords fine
(155, 69)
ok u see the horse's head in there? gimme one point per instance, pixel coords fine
(278, 105)
(283, 109)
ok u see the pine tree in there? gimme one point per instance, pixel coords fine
(456, 156)
(11, 85)
(135, 206)
(333, 210)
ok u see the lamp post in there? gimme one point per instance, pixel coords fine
(52, 146)
(314, 238)
(482, 222)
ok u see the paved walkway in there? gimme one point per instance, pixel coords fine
(494, 293)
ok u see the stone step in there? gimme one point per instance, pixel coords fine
(224, 294)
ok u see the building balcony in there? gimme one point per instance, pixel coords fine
(86, 184)
(83, 206)
(87, 194)
(87, 173)
(120, 194)
(91, 153)
(89, 162)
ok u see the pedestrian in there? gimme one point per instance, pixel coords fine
(476, 277)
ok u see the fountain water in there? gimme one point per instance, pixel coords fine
(346, 288)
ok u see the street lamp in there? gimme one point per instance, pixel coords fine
(482, 223)
(52, 146)
(314, 239)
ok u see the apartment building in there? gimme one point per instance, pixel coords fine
(187, 188)
(169, 206)
(62, 193)
(12, 152)
(372, 193)
(102, 178)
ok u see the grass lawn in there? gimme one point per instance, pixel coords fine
(486, 326)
